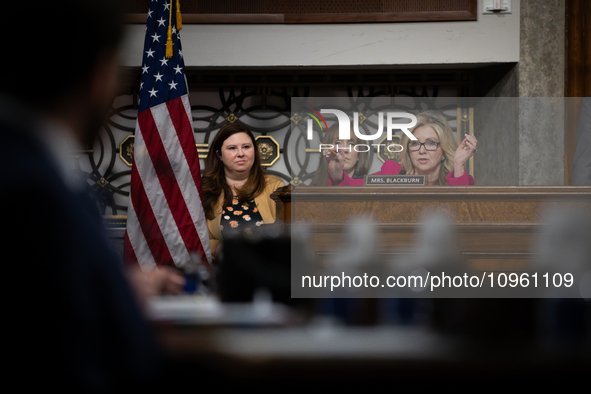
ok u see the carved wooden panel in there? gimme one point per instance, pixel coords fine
(260, 99)
(497, 227)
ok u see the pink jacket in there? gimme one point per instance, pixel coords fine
(392, 168)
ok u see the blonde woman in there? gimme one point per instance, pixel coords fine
(434, 154)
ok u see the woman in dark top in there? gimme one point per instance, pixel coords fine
(236, 191)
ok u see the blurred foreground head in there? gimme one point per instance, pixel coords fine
(61, 56)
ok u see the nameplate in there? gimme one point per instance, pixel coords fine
(401, 180)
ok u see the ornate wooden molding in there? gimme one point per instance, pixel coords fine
(438, 193)
(315, 11)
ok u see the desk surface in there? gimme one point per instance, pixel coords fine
(322, 350)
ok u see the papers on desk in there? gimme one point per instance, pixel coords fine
(209, 311)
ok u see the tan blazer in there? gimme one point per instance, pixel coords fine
(265, 205)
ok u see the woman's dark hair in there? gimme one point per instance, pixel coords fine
(214, 180)
(331, 135)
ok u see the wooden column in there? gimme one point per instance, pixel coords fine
(578, 73)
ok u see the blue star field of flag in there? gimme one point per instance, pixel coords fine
(162, 79)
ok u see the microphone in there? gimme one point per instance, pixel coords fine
(402, 172)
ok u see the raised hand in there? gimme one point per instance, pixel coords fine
(336, 164)
(464, 152)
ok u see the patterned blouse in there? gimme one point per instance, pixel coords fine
(240, 218)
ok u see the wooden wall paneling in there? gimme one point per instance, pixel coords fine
(587, 50)
(499, 249)
(497, 227)
(314, 11)
(434, 16)
(578, 74)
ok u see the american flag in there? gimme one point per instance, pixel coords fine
(165, 220)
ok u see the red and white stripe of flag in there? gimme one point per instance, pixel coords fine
(166, 224)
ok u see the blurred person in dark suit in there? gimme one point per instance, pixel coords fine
(75, 317)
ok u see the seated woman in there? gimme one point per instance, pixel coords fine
(355, 164)
(435, 154)
(236, 191)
